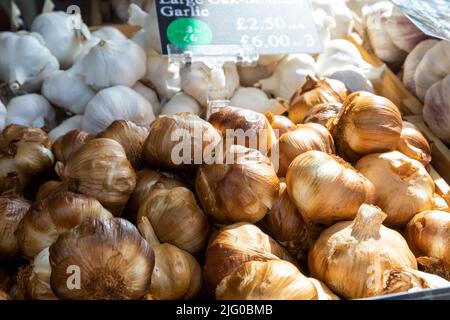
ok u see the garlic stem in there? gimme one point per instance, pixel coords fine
(148, 233)
(368, 222)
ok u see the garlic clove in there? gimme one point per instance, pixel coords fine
(436, 109)
(182, 102)
(414, 145)
(72, 123)
(31, 110)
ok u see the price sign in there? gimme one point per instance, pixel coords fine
(271, 26)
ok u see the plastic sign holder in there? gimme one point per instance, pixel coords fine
(214, 57)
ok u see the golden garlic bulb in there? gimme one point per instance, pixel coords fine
(286, 225)
(109, 258)
(50, 188)
(323, 113)
(428, 235)
(323, 292)
(366, 124)
(47, 219)
(279, 123)
(266, 280)
(24, 154)
(38, 283)
(100, 169)
(413, 144)
(176, 218)
(326, 189)
(170, 136)
(306, 137)
(245, 127)
(233, 245)
(67, 144)
(240, 190)
(404, 187)
(315, 92)
(131, 137)
(12, 210)
(351, 256)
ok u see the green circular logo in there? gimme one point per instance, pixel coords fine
(183, 32)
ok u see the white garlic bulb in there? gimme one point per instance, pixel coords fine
(116, 103)
(324, 24)
(162, 76)
(181, 102)
(289, 74)
(256, 100)
(64, 35)
(111, 63)
(434, 66)
(150, 95)
(340, 13)
(2, 116)
(148, 37)
(68, 91)
(25, 60)
(353, 78)
(196, 80)
(436, 110)
(72, 123)
(108, 33)
(412, 61)
(31, 110)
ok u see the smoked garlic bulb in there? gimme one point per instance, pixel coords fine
(70, 142)
(111, 258)
(315, 92)
(413, 144)
(351, 256)
(241, 188)
(234, 245)
(38, 283)
(310, 136)
(266, 280)
(323, 113)
(100, 169)
(367, 124)
(326, 189)
(281, 124)
(50, 188)
(404, 187)
(48, 218)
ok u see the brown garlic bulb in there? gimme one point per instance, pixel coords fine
(413, 144)
(315, 92)
(243, 190)
(310, 136)
(67, 144)
(147, 181)
(38, 283)
(285, 224)
(326, 189)
(351, 256)
(12, 210)
(169, 136)
(280, 123)
(323, 292)
(428, 235)
(110, 257)
(404, 187)
(50, 188)
(100, 169)
(4, 295)
(245, 127)
(366, 124)
(266, 280)
(24, 154)
(439, 203)
(234, 245)
(323, 113)
(177, 274)
(47, 219)
(131, 137)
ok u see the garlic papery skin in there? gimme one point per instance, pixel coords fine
(280, 123)
(325, 189)
(249, 76)
(324, 24)
(363, 248)
(108, 33)
(72, 123)
(414, 145)
(412, 61)
(50, 188)
(323, 292)
(353, 78)
(181, 102)
(25, 60)
(266, 280)
(366, 124)
(12, 210)
(112, 63)
(162, 76)
(323, 113)
(256, 100)
(393, 173)
(68, 91)
(436, 110)
(49, 218)
(427, 235)
(342, 15)
(70, 142)
(2, 116)
(150, 95)
(149, 22)
(38, 283)
(116, 103)
(196, 80)
(31, 110)
(289, 74)
(114, 261)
